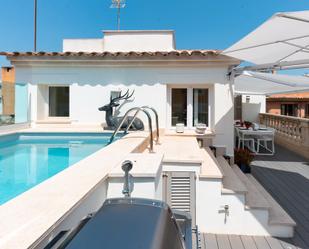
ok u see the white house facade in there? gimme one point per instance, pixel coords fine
(184, 86)
(59, 95)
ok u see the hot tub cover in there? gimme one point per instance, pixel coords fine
(130, 223)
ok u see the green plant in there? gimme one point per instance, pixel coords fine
(243, 156)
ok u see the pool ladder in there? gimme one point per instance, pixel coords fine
(137, 111)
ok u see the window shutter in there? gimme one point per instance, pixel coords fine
(179, 191)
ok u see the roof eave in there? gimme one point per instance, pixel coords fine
(177, 55)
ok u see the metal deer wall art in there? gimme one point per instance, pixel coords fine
(112, 121)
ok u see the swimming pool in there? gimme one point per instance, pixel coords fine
(27, 159)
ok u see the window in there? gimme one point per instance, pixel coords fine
(189, 106)
(59, 101)
(179, 106)
(289, 109)
(200, 106)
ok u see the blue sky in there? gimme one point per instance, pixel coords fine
(199, 24)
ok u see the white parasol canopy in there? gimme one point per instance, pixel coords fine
(256, 83)
(281, 40)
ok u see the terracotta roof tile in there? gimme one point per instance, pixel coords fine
(116, 54)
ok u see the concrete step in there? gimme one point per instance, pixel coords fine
(210, 167)
(254, 199)
(179, 149)
(230, 182)
(277, 215)
(218, 150)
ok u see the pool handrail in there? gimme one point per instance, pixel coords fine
(136, 109)
(156, 116)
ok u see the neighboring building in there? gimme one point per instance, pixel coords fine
(292, 104)
(184, 86)
(7, 88)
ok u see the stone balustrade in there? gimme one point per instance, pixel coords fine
(291, 132)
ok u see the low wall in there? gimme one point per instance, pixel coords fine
(28, 220)
(291, 132)
(14, 127)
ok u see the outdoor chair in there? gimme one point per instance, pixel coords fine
(262, 141)
(241, 141)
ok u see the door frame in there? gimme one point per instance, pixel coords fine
(48, 102)
(189, 103)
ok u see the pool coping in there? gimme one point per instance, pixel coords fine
(29, 217)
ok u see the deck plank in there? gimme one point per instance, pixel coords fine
(218, 241)
(236, 242)
(210, 241)
(280, 193)
(286, 177)
(273, 243)
(202, 245)
(261, 242)
(282, 180)
(248, 242)
(223, 241)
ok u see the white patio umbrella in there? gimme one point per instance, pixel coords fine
(283, 40)
(255, 83)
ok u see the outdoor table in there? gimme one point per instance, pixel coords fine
(259, 135)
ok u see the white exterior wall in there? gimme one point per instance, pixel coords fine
(150, 41)
(223, 116)
(143, 187)
(124, 41)
(251, 109)
(85, 109)
(90, 88)
(42, 99)
(210, 201)
(33, 103)
(84, 45)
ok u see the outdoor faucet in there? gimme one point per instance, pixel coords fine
(126, 167)
(226, 211)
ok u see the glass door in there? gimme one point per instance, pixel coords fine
(179, 106)
(59, 101)
(200, 106)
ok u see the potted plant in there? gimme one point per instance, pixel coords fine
(247, 124)
(243, 158)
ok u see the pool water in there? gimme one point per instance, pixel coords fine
(28, 159)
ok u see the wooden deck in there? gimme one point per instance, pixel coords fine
(286, 177)
(221, 241)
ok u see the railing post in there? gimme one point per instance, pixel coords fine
(261, 116)
(305, 132)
